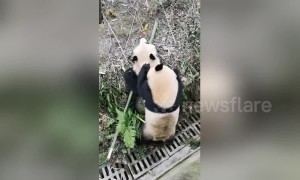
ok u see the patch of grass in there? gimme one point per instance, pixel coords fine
(193, 142)
(194, 37)
(197, 56)
(102, 158)
(184, 66)
(108, 99)
(140, 151)
(129, 124)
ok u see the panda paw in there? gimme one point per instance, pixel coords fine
(131, 80)
(129, 73)
(144, 70)
(146, 67)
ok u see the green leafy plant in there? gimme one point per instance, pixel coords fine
(129, 136)
(108, 100)
(128, 126)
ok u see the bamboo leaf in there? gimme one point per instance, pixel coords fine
(129, 137)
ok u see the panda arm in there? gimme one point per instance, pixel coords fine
(180, 86)
(177, 72)
(131, 80)
(142, 84)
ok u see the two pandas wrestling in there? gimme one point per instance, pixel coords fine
(161, 89)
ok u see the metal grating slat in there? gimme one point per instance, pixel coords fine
(179, 139)
(138, 168)
(109, 173)
(195, 122)
(197, 127)
(182, 125)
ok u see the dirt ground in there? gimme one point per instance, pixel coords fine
(177, 40)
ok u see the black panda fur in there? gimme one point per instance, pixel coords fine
(131, 78)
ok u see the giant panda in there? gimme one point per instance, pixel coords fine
(161, 89)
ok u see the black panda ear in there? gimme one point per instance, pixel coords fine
(134, 58)
(152, 56)
(159, 67)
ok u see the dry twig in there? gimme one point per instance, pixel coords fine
(130, 31)
(122, 62)
(147, 5)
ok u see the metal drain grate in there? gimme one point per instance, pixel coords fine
(140, 167)
(110, 173)
(158, 160)
(195, 119)
(179, 139)
(182, 125)
(186, 129)
(197, 127)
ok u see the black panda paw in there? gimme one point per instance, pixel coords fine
(131, 80)
(144, 70)
(130, 74)
(146, 67)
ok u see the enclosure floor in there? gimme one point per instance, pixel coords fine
(189, 169)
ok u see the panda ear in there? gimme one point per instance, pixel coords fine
(152, 56)
(159, 67)
(134, 58)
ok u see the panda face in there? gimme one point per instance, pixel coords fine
(144, 54)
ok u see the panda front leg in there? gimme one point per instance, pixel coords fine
(131, 80)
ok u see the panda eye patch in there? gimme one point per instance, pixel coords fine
(134, 58)
(159, 67)
(152, 56)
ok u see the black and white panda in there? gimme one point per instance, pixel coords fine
(160, 87)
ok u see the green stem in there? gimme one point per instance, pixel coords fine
(128, 100)
(117, 132)
(140, 119)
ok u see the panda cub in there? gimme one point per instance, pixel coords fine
(161, 89)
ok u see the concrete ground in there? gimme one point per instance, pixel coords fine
(189, 169)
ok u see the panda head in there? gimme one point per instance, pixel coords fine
(144, 54)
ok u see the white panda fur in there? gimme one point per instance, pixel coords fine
(142, 52)
(160, 127)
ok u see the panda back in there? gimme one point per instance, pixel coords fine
(164, 86)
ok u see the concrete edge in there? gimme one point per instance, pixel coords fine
(171, 167)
